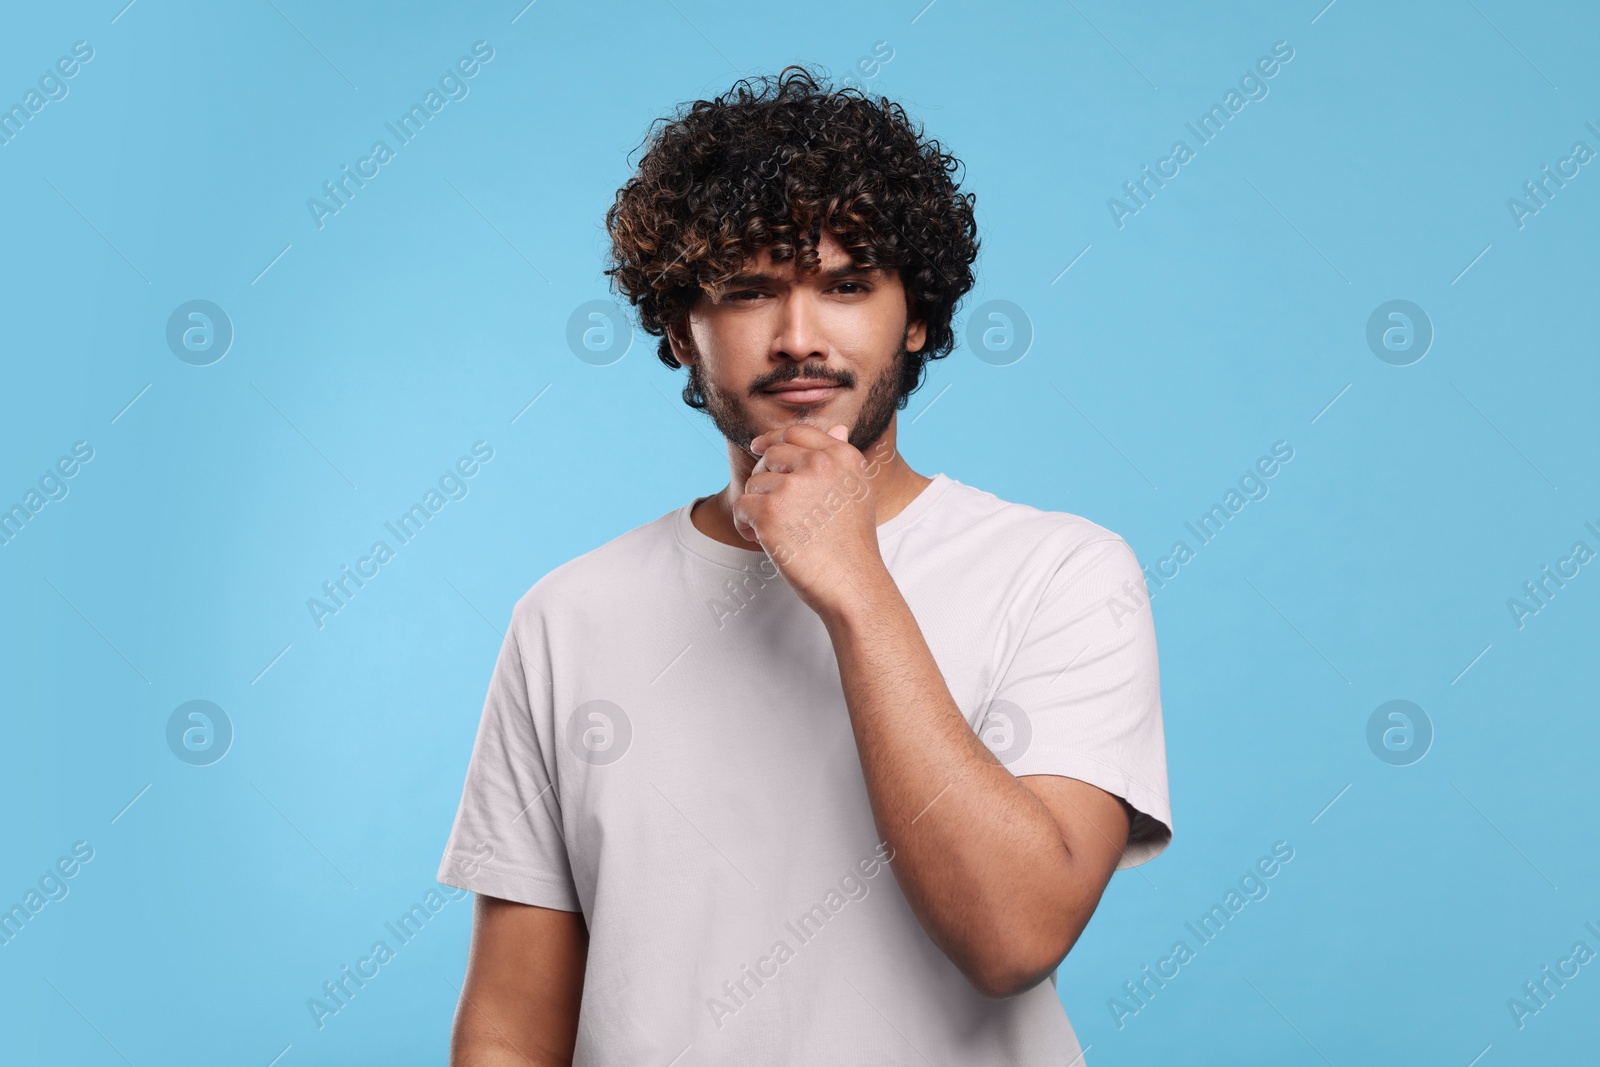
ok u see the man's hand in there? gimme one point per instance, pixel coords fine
(810, 503)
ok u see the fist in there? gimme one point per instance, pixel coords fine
(810, 504)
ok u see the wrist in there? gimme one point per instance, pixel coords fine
(862, 601)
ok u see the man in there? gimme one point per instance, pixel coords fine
(832, 766)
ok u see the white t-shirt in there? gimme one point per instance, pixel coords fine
(665, 747)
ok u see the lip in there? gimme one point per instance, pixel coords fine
(792, 392)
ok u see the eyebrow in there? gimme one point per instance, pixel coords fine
(742, 280)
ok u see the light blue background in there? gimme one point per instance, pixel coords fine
(1223, 317)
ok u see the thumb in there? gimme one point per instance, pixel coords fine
(841, 433)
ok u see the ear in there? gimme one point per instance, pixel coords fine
(916, 335)
(682, 345)
(916, 329)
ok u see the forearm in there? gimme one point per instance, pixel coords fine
(978, 856)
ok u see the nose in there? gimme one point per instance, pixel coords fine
(799, 335)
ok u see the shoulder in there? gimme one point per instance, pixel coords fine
(598, 573)
(1025, 531)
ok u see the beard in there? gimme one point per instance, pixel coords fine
(731, 413)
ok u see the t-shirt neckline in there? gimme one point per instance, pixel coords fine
(701, 544)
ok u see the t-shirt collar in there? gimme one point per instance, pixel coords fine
(694, 541)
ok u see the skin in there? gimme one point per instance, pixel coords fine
(519, 1001)
(1003, 873)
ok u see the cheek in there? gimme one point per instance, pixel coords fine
(868, 334)
(733, 349)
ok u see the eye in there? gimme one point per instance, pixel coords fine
(853, 285)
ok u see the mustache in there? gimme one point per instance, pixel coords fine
(792, 372)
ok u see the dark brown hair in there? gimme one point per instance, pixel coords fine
(767, 165)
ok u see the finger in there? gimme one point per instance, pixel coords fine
(749, 515)
(782, 458)
(798, 433)
(841, 433)
(762, 484)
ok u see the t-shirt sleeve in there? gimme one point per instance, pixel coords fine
(507, 841)
(1081, 697)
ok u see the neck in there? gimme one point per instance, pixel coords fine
(894, 485)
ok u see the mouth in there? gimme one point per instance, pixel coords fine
(801, 392)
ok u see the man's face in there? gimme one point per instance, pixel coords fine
(823, 349)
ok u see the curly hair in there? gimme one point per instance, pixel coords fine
(767, 165)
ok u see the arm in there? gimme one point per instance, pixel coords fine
(1002, 872)
(519, 1002)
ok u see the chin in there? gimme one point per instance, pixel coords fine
(814, 417)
